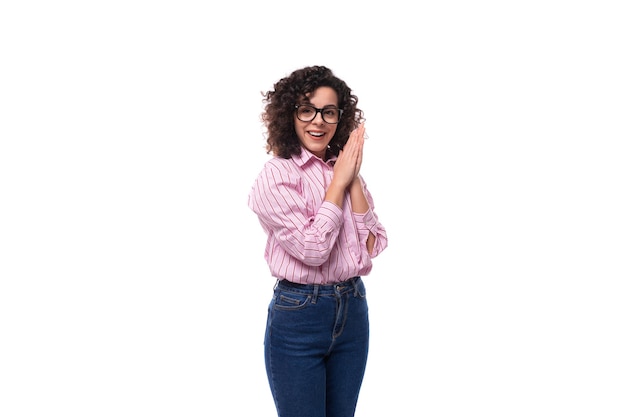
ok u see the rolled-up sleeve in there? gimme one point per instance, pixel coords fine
(367, 223)
(278, 199)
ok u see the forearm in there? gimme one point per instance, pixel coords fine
(335, 194)
(357, 197)
(360, 205)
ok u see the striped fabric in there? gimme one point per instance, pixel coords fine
(309, 240)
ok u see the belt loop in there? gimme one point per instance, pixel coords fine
(354, 285)
(276, 284)
(316, 288)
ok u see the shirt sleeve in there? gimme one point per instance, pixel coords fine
(367, 223)
(278, 199)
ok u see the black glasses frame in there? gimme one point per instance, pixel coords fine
(320, 111)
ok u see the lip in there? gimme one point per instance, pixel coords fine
(316, 137)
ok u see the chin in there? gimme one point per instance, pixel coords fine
(317, 149)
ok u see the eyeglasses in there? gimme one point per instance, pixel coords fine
(306, 113)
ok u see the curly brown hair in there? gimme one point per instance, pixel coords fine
(282, 140)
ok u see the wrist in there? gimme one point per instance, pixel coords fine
(356, 183)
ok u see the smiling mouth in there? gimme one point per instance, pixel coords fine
(317, 135)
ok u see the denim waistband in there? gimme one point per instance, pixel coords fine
(319, 289)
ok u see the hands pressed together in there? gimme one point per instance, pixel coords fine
(348, 164)
(346, 173)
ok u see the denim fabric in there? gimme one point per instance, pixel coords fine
(316, 345)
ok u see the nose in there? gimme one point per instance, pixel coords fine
(316, 120)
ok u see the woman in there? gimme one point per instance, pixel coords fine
(322, 234)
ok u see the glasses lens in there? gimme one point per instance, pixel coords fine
(306, 113)
(330, 115)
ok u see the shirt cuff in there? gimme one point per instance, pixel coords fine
(365, 221)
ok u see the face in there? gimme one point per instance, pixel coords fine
(316, 134)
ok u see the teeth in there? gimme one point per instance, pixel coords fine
(316, 134)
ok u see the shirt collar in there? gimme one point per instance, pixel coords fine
(306, 156)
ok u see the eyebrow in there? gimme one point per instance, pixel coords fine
(325, 107)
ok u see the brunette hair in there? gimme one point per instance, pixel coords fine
(278, 115)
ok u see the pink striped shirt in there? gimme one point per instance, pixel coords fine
(309, 240)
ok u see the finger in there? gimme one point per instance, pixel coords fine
(350, 144)
(353, 148)
(357, 133)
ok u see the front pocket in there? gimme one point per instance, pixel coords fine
(291, 301)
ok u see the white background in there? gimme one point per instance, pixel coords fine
(132, 273)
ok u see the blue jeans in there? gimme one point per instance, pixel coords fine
(316, 344)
